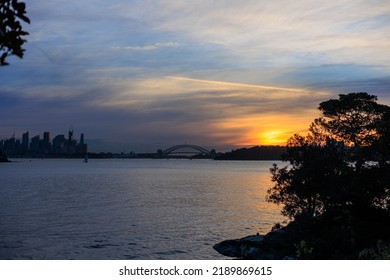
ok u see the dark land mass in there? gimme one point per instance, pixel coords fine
(253, 153)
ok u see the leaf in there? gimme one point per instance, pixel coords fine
(24, 18)
(2, 59)
(20, 7)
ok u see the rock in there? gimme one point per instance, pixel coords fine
(253, 239)
(278, 239)
(251, 246)
(229, 248)
(275, 245)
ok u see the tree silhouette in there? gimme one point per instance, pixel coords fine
(307, 186)
(336, 187)
(353, 118)
(11, 31)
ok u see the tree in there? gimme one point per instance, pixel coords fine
(307, 186)
(381, 147)
(353, 118)
(332, 165)
(11, 31)
(336, 187)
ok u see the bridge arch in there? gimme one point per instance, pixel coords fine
(199, 149)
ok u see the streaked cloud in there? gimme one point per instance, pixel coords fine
(147, 47)
(229, 84)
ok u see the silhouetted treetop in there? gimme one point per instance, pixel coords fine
(353, 118)
(11, 31)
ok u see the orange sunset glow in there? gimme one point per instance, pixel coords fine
(265, 129)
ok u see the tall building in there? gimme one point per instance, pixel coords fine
(9, 145)
(46, 142)
(25, 141)
(82, 147)
(35, 146)
(70, 135)
(71, 146)
(59, 143)
(82, 139)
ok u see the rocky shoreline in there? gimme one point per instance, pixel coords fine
(287, 244)
(275, 245)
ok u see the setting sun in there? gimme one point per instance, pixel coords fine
(272, 137)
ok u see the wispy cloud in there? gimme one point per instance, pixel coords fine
(221, 83)
(147, 47)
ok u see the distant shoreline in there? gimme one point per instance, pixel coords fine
(256, 153)
(12, 159)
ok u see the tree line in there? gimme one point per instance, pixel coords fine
(253, 153)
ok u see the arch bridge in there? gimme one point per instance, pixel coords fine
(186, 149)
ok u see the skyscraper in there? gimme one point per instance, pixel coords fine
(82, 139)
(59, 143)
(71, 145)
(34, 145)
(70, 136)
(46, 142)
(25, 141)
(82, 147)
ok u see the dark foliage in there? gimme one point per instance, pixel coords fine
(353, 118)
(306, 187)
(336, 188)
(12, 13)
(254, 153)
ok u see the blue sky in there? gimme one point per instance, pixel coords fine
(143, 75)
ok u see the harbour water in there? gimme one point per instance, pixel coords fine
(130, 209)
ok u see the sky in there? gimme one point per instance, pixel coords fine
(142, 75)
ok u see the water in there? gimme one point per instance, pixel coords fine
(130, 209)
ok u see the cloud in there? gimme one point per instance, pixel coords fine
(217, 72)
(230, 84)
(171, 109)
(216, 110)
(147, 47)
(279, 25)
